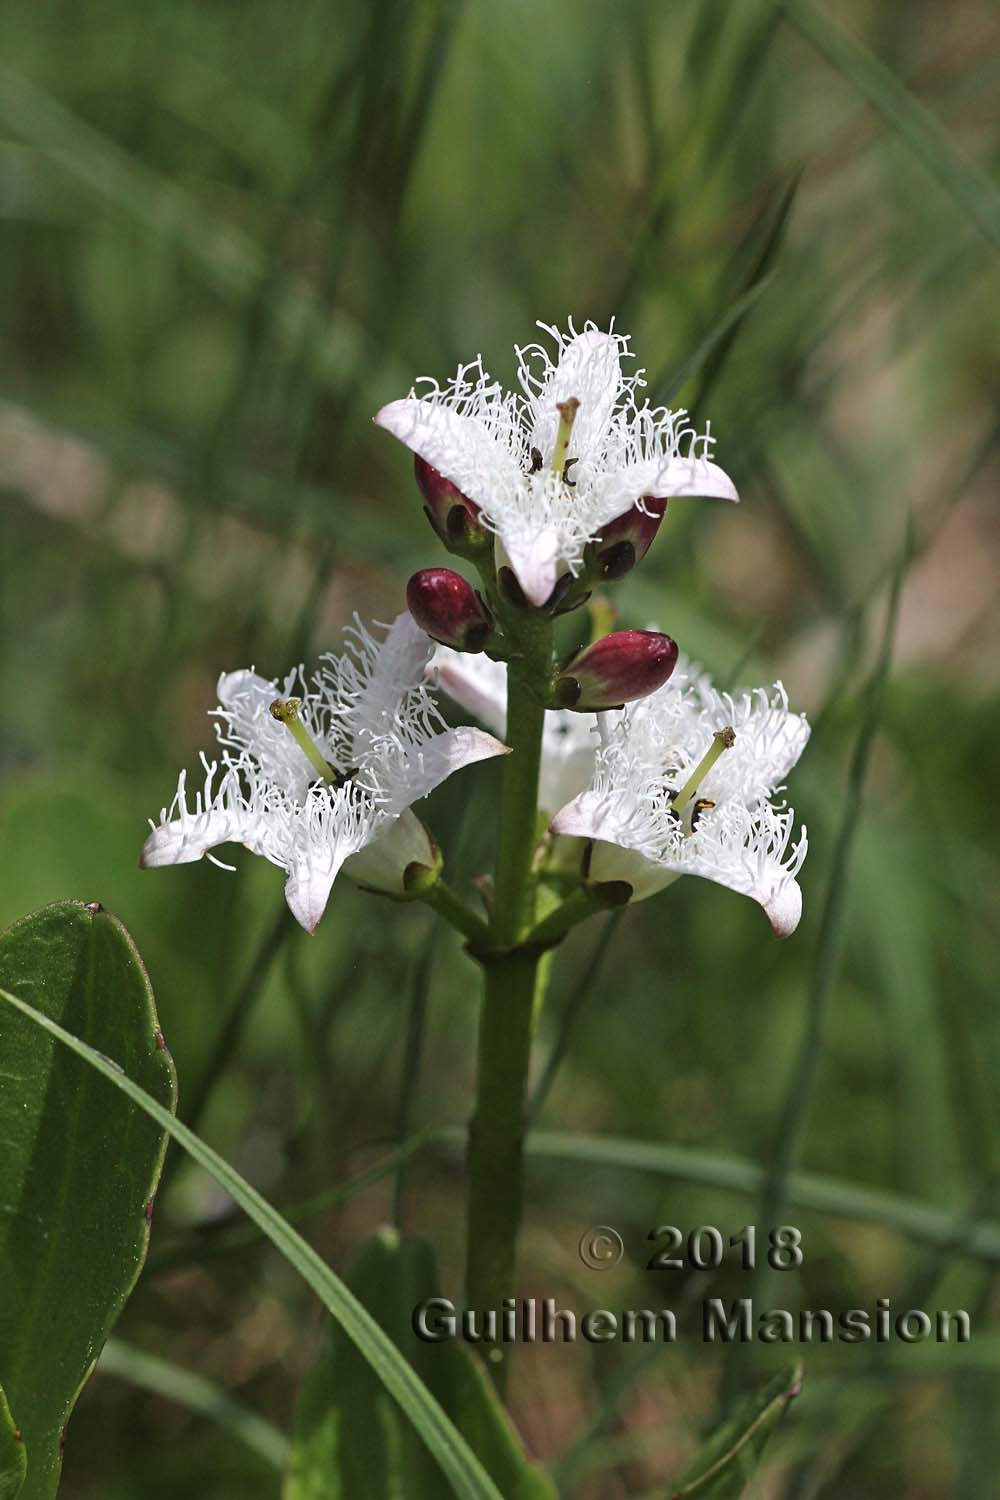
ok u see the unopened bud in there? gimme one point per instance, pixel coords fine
(448, 609)
(625, 540)
(453, 515)
(622, 666)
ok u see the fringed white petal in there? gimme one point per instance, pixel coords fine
(593, 815)
(181, 842)
(309, 883)
(459, 446)
(311, 841)
(692, 475)
(589, 369)
(376, 687)
(245, 724)
(434, 762)
(783, 907)
(187, 832)
(535, 560)
(749, 850)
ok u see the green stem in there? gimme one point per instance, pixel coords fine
(515, 889)
(576, 908)
(447, 904)
(496, 1134)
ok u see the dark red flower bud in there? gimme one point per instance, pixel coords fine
(453, 515)
(447, 607)
(624, 665)
(626, 540)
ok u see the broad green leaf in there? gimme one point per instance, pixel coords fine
(350, 1439)
(13, 1458)
(79, 1165)
(729, 1459)
(462, 1468)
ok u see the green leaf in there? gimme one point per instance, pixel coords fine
(729, 1459)
(350, 1439)
(465, 1473)
(79, 1165)
(13, 1458)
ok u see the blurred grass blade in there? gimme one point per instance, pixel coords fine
(195, 1394)
(224, 1237)
(729, 1459)
(79, 1166)
(13, 1458)
(961, 1233)
(759, 249)
(973, 190)
(798, 1100)
(570, 1014)
(718, 337)
(461, 1466)
(413, 1045)
(230, 260)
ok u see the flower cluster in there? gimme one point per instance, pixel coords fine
(548, 491)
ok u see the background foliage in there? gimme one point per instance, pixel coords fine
(229, 234)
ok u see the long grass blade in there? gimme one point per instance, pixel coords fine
(466, 1474)
(203, 1397)
(972, 189)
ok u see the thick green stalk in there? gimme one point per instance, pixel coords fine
(496, 1133)
(515, 896)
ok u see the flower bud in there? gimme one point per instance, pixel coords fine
(624, 665)
(626, 540)
(448, 609)
(453, 515)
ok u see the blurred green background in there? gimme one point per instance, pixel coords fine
(229, 233)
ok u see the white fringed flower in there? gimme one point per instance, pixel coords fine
(548, 474)
(334, 790)
(656, 812)
(569, 740)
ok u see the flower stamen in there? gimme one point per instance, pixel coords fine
(722, 739)
(567, 416)
(286, 711)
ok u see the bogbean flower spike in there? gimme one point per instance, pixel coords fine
(571, 473)
(626, 767)
(548, 491)
(320, 775)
